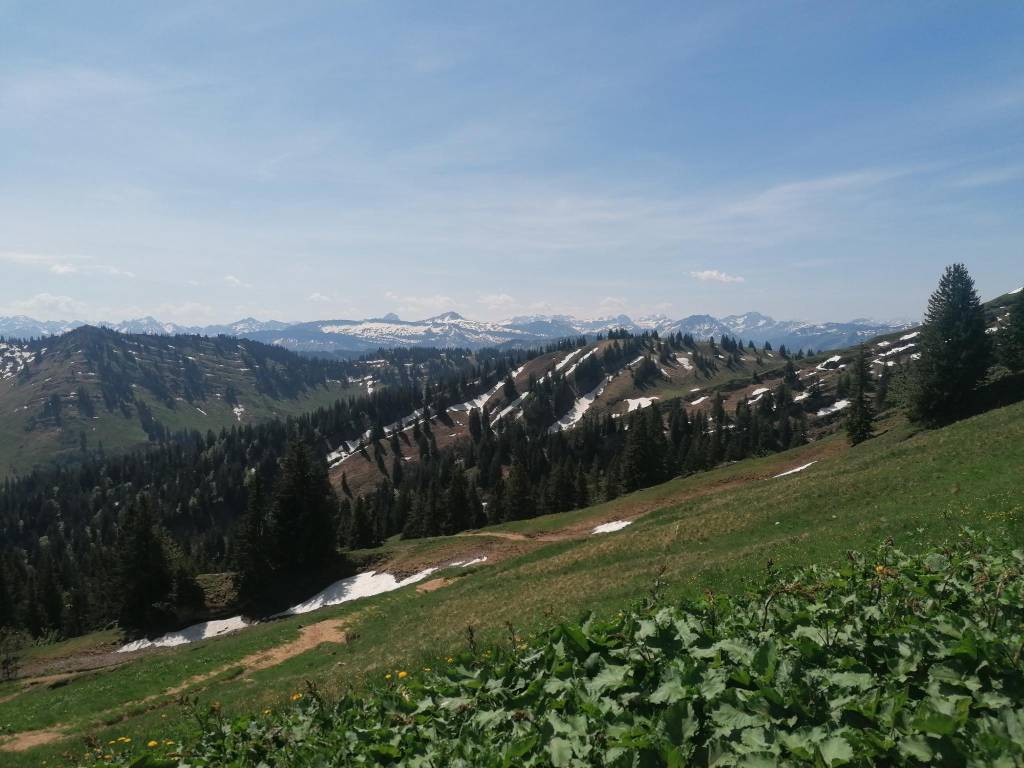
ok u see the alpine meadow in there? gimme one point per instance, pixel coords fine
(616, 385)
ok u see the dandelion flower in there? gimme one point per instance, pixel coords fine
(402, 675)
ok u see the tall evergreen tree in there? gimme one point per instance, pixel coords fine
(144, 573)
(954, 348)
(860, 416)
(1010, 338)
(304, 512)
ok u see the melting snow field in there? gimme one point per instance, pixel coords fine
(636, 403)
(355, 587)
(795, 470)
(579, 408)
(822, 366)
(699, 400)
(834, 408)
(615, 525)
(192, 634)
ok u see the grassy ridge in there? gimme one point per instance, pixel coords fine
(891, 660)
(713, 531)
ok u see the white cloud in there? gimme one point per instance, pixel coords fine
(319, 298)
(991, 177)
(20, 257)
(47, 306)
(612, 304)
(236, 282)
(716, 276)
(421, 305)
(61, 265)
(496, 301)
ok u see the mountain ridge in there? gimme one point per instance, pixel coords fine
(452, 329)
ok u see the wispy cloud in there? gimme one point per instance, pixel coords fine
(62, 265)
(236, 282)
(990, 177)
(319, 298)
(47, 306)
(497, 301)
(44, 90)
(716, 276)
(420, 305)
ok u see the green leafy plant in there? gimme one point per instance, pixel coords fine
(887, 660)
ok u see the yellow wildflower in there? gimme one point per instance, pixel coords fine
(296, 696)
(152, 743)
(879, 569)
(402, 675)
(387, 676)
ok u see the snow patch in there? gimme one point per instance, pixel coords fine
(579, 408)
(615, 525)
(834, 408)
(795, 469)
(361, 585)
(699, 400)
(636, 403)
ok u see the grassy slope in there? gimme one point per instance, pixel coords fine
(62, 372)
(917, 488)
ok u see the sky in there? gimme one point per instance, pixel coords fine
(201, 162)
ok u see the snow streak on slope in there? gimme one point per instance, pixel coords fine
(580, 407)
(795, 470)
(361, 585)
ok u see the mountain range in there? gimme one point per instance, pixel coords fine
(451, 329)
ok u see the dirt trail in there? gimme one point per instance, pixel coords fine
(311, 636)
(19, 742)
(328, 631)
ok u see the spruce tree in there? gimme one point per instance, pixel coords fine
(954, 348)
(303, 513)
(1010, 338)
(145, 579)
(860, 416)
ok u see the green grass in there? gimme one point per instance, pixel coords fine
(714, 531)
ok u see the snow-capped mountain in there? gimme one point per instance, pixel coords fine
(453, 330)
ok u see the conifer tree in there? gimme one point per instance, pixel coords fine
(860, 416)
(1010, 338)
(303, 513)
(954, 348)
(144, 573)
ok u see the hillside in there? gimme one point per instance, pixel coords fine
(91, 388)
(713, 531)
(564, 389)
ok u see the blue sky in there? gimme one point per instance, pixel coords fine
(204, 161)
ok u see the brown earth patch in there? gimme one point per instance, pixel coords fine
(327, 631)
(20, 742)
(433, 585)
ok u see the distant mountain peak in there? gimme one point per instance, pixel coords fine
(446, 317)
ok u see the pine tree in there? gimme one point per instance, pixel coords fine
(304, 512)
(252, 554)
(144, 574)
(954, 348)
(1010, 337)
(860, 416)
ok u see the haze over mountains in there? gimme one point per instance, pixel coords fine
(451, 329)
